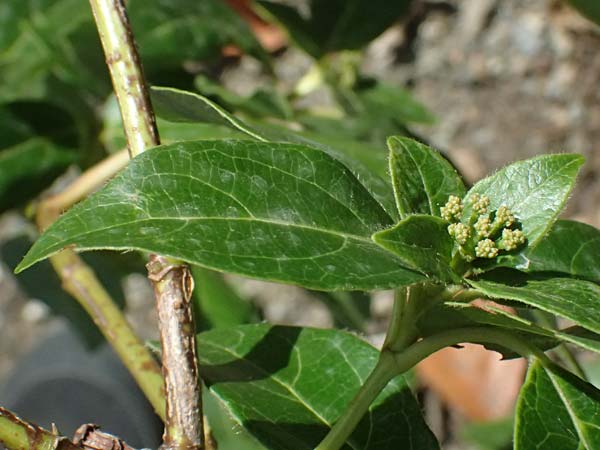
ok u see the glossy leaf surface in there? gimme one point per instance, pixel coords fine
(273, 382)
(281, 212)
(330, 25)
(422, 178)
(182, 106)
(577, 300)
(535, 190)
(570, 247)
(422, 243)
(557, 411)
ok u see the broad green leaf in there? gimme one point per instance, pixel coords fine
(170, 32)
(280, 212)
(43, 49)
(422, 242)
(322, 26)
(589, 8)
(216, 303)
(176, 105)
(577, 300)
(422, 178)
(556, 410)
(385, 100)
(274, 383)
(181, 106)
(28, 167)
(535, 190)
(451, 315)
(113, 136)
(569, 247)
(226, 431)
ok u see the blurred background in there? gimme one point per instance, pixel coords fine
(485, 81)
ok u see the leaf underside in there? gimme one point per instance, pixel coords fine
(577, 300)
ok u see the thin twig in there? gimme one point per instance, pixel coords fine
(183, 427)
(173, 286)
(16, 434)
(127, 76)
(81, 282)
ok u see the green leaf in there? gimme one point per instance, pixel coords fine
(577, 300)
(589, 8)
(113, 136)
(385, 100)
(273, 382)
(452, 315)
(556, 410)
(42, 49)
(280, 212)
(422, 243)
(494, 435)
(182, 106)
(176, 105)
(216, 303)
(322, 26)
(569, 247)
(29, 167)
(169, 33)
(422, 178)
(535, 190)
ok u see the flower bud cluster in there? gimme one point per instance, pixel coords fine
(484, 234)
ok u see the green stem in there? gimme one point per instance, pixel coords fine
(127, 76)
(381, 375)
(172, 281)
(16, 434)
(392, 363)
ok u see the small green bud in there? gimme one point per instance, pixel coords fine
(511, 239)
(481, 203)
(452, 210)
(483, 226)
(486, 249)
(460, 232)
(504, 216)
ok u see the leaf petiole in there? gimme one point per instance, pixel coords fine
(393, 363)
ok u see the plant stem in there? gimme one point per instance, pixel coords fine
(381, 375)
(16, 434)
(173, 287)
(81, 282)
(127, 76)
(172, 282)
(393, 363)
